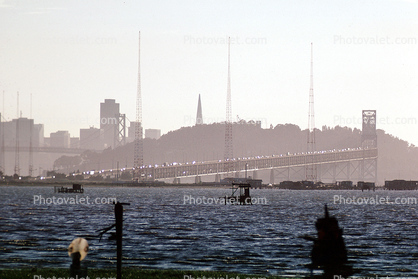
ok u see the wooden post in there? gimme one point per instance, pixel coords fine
(75, 268)
(119, 229)
(77, 251)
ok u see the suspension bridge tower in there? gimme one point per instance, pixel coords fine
(369, 141)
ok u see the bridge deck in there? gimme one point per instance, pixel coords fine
(259, 163)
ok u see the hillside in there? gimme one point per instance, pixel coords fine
(397, 159)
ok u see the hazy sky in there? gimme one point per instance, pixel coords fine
(71, 55)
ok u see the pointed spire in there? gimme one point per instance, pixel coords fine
(199, 117)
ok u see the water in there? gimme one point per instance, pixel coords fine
(160, 231)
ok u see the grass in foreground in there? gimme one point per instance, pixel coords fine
(127, 273)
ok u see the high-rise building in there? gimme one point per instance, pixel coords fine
(152, 133)
(74, 142)
(109, 121)
(38, 135)
(25, 127)
(131, 131)
(23, 135)
(91, 139)
(60, 139)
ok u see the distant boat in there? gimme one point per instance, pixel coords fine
(242, 197)
(77, 188)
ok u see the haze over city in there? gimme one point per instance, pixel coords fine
(71, 56)
(208, 139)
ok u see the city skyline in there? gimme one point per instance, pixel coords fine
(71, 56)
(93, 138)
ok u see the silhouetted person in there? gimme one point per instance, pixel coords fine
(329, 247)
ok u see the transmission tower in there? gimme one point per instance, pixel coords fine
(311, 169)
(228, 155)
(138, 145)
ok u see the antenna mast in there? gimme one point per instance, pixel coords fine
(17, 164)
(30, 139)
(2, 161)
(138, 146)
(228, 155)
(311, 169)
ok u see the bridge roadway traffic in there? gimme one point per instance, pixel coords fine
(257, 163)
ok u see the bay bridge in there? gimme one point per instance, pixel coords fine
(348, 164)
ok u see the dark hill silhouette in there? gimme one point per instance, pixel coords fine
(397, 159)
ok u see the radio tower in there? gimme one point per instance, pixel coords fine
(3, 165)
(228, 155)
(311, 171)
(2, 146)
(17, 164)
(30, 140)
(138, 146)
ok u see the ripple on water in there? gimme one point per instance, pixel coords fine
(161, 232)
